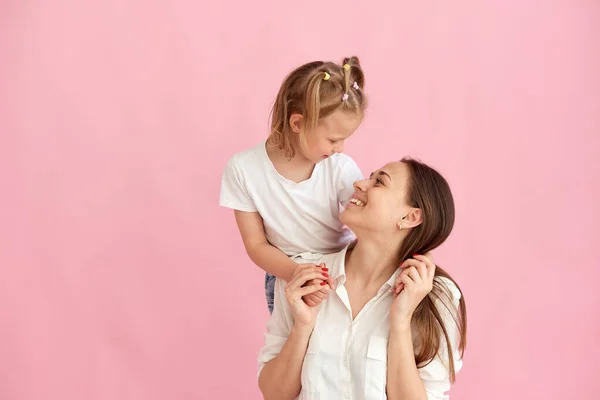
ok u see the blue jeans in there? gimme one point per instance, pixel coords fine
(270, 291)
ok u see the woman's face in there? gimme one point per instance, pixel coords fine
(379, 203)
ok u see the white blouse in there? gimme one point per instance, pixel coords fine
(347, 359)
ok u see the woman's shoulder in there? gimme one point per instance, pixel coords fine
(450, 288)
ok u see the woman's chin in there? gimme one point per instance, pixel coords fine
(350, 217)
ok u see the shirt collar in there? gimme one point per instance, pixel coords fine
(389, 284)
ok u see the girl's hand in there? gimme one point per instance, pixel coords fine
(314, 299)
(412, 285)
(296, 289)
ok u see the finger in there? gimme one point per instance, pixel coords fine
(331, 283)
(316, 300)
(398, 288)
(321, 294)
(307, 275)
(396, 284)
(330, 280)
(323, 269)
(411, 262)
(301, 292)
(316, 275)
(317, 297)
(300, 268)
(313, 282)
(424, 259)
(423, 272)
(301, 281)
(309, 301)
(414, 274)
(429, 264)
(407, 281)
(415, 265)
(429, 256)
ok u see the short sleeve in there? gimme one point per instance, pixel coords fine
(436, 375)
(349, 174)
(233, 191)
(279, 327)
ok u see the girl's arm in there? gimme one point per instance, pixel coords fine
(261, 252)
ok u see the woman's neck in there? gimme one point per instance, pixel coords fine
(373, 261)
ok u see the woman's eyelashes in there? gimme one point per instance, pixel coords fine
(377, 180)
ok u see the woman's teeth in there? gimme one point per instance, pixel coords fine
(357, 202)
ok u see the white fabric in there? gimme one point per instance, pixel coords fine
(347, 359)
(298, 217)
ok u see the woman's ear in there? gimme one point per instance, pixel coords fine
(296, 122)
(413, 218)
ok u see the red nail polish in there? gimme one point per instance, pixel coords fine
(325, 275)
(325, 269)
(323, 283)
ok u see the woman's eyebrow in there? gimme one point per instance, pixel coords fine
(380, 172)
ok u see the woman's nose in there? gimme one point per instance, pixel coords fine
(361, 185)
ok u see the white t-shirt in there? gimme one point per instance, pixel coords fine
(297, 217)
(345, 358)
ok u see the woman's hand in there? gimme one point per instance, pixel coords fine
(412, 285)
(295, 289)
(314, 299)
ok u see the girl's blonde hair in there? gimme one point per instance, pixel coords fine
(316, 90)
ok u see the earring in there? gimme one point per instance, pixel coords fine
(401, 221)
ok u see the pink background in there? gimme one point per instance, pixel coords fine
(120, 278)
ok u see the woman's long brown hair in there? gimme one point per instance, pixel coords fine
(429, 191)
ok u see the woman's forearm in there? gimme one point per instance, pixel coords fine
(403, 380)
(280, 377)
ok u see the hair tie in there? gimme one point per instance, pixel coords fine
(347, 67)
(345, 97)
(327, 76)
(355, 86)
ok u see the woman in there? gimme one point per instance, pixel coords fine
(384, 332)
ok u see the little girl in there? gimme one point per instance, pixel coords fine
(286, 192)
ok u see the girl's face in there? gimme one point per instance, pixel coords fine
(329, 136)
